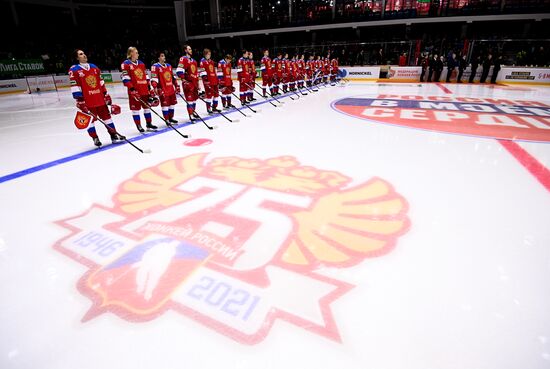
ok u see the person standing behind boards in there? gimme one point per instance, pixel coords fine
(496, 69)
(451, 65)
(486, 66)
(473, 71)
(462, 64)
(438, 68)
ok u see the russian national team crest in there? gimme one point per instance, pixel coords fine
(476, 116)
(91, 81)
(139, 73)
(235, 244)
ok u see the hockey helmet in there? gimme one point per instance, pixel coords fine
(115, 109)
(154, 101)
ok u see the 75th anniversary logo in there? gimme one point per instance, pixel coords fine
(232, 243)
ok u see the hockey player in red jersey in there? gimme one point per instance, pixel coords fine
(286, 73)
(252, 82)
(209, 75)
(135, 78)
(88, 89)
(333, 70)
(310, 70)
(319, 69)
(166, 85)
(301, 69)
(278, 66)
(225, 81)
(266, 66)
(293, 73)
(188, 72)
(244, 76)
(326, 68)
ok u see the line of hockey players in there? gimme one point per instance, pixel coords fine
(279, 75)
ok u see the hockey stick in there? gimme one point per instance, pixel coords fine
(270, 94)
(161, 117)
(311, 86)
(238, 98)
(290, 92)
(287, 91)
(219, 112)
(301, 90)
(234, 107)
(294, 93)
(321, 82)
(297, 84)
(143, 151)
(239, 110)
(321, 77)
(265, 98)
(307, 88)
(198, 116)
(316, 78)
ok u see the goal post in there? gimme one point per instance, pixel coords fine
(41, 83)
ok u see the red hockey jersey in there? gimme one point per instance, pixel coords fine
(334, 65)
(279, 67)
(310, 67)
(252, 68)
(162, 77)
(286, 66)
(243, 69)
(207, 71)
(266, 66)
(301, 66)
(135, 76)
(224, 73)
(319, 64)
(326, 66)
(187, 70)
(293, 68)
(86, 83)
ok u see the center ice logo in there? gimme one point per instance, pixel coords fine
(235, 244)
(476, 116)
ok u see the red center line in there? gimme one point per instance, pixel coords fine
(535, 167)
(445, 89)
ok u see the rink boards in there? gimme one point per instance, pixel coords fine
(362, 226)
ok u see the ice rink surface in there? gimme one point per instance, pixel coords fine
(381, 226)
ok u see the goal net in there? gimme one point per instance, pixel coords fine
(41, 83)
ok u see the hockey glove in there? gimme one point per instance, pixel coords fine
(134, 94)
(115, 109)
(81, 105)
